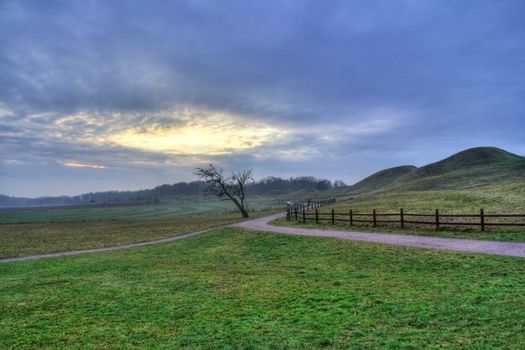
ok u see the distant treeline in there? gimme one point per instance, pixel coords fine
(269, 185)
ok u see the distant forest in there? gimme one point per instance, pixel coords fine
(269, 185)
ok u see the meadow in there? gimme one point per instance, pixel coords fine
(46, 230)
(40, 238)
(146, 211)
(231, 288)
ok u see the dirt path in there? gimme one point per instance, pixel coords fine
(105, 249)
(262, 224)
(462, 245)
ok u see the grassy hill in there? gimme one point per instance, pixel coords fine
(380, 180)
(475, 167)
(483, 177)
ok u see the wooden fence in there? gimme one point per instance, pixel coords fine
(402, 218)
(294, 210)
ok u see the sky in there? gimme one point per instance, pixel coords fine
(124, 95)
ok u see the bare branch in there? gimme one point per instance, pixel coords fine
(232, 187)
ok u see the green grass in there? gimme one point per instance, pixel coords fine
(29, 239)
(48, 230)
(504, 198)
(380, 179)
(120, 212)
(236, 289)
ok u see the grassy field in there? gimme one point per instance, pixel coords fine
(28, 239)
(236, 289)
(47, 230)
(160, 211)
(230, 288)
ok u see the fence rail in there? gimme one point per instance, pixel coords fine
(293, 211)
(311, 212)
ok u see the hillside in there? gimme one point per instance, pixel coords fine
(380, 180)
(475, 167)
(483, 177)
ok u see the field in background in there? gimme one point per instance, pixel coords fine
(39, 238)
(236, 289)
(148, 211)
(47, 230)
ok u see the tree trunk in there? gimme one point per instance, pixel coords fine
(241, 208)
(244, 213)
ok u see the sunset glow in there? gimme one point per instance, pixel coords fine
(199, 138)
(80, 165)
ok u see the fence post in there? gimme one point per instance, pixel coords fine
(316, 215)
(287, 214)
(375, 218)
(295, 212)
(351, 218)
(482, 219)
(402, 217)
(304, 215)
(333, 217)
(437, 219)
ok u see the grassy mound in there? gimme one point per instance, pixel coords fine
(380, 180)
(471, 168)
(475, 167)
(483, 177)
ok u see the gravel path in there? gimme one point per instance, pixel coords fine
(262, 224)
(461, 245)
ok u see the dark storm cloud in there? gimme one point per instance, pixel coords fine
(369, 83)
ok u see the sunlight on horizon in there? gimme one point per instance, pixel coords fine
(210, 136)
(80, 165)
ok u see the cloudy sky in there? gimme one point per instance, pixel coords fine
(114, 95)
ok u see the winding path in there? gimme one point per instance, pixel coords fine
(453, 244)
(262, 224)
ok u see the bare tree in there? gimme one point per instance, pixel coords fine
(226, 188)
